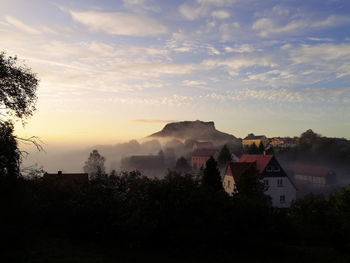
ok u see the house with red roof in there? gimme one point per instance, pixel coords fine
(201, 156)
(279, 186)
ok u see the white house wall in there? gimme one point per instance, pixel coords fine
(275, 192)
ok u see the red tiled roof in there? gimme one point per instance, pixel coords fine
(237, 169)
(261, 160)
(312, 170)
(204, 152)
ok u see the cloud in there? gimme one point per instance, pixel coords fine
(153, 121)
(229, 31)
(234, 64)
(220, 14)
(120, 23)
(267, 27)
(320, 39)
(22, 26)
(201, 8)
(140, 5)
(332, 20)
(244, 48)
(192, 83)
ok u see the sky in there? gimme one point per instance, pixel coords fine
(113, 71)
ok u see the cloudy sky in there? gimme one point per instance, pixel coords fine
(116, 70)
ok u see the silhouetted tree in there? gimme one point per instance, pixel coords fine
(18, 87)
(9, 152)
(224, 156)
(250, 186)
(95, 165)
(182, 165)
(253, 149)
(17, 98)
(307, 139)
(261, 148)
(211, 178)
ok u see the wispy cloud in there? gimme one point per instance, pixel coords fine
(267, 26)
(200, 8)
(120, 23)
(141, 5)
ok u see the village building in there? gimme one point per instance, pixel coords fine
(279, 186)
(283, 142)
(255, 139)
(315, 175)
(199, 157)
(72, 180)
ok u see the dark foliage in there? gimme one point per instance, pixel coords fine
(9, 152)
(252, 149)
(211, 178)
(224, 156)
(314, 148)
(129, 210)
(17, 87)
(182, 165)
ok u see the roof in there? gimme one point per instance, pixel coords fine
(261, 160)
(254, 137)
(237, 169)
(71, 177)
(312, 170)
(204, 152)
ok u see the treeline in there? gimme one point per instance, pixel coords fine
(313, 147)
(130, 210)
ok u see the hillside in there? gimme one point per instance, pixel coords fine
(194, 130)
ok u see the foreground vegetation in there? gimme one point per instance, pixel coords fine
(113, 215)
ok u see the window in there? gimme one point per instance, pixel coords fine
(266, 182)
(228, 184)
(282, 199)
(279, 182)
(276, 169)
(269, 169)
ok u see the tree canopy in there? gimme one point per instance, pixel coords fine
(9, 152)
(224, 156)
(18, 86)
(211, 178)
(95, 165)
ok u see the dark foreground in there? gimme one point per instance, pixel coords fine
(131, 218)
(62, 250)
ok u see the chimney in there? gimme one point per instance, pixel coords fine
(264, 153)
(60, 173)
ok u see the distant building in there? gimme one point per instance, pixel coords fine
(280, 187)
(315, 175)
(257, 139)
(281, 142)
(201, 156)
(72, 180)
